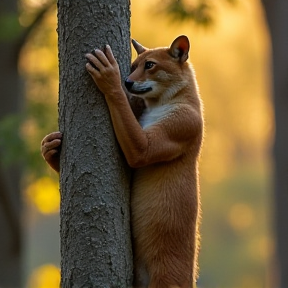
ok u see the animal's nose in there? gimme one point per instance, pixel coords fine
(129, 84)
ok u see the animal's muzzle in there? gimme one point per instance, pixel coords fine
(128, 84)
(136, 87)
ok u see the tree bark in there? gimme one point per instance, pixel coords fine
(94, 177)
(276, 12)
(10, 203)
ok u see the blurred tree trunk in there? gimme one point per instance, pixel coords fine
(94, 177)
(276, 12)
(11, 96)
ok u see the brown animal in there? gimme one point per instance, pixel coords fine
(163, 148)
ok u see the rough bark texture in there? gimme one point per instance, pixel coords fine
(276, 12)
(94, 183)
(10, 201)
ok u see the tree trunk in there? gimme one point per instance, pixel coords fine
(10, 203)
(94, 177)
(277, 11)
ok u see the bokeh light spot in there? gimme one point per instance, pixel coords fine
(46, 276)
(44, 193)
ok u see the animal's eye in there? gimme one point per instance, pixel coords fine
(149, 65)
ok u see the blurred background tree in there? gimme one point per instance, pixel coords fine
(11, 102)
(13, 37)
(276, 12)
(232, 61)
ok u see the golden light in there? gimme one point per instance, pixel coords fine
(44, 193)
(262, 248)
(241, 216)
(46, 276)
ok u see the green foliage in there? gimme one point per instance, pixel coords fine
(12, 146)
(18, 145)
(201, 13)
(9, 27)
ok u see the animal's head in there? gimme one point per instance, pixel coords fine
(159, 73)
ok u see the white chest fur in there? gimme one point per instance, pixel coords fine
(154, 115)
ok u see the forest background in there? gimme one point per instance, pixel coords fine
(231, 59)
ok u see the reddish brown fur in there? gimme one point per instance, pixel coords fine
(165, 196)
(164, 153)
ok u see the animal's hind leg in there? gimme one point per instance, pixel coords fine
(170, 268)
(157, 283)
(170, 276)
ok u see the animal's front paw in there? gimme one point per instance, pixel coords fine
(50, 149)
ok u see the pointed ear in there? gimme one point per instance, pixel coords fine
(180, 48)
(138, 47)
